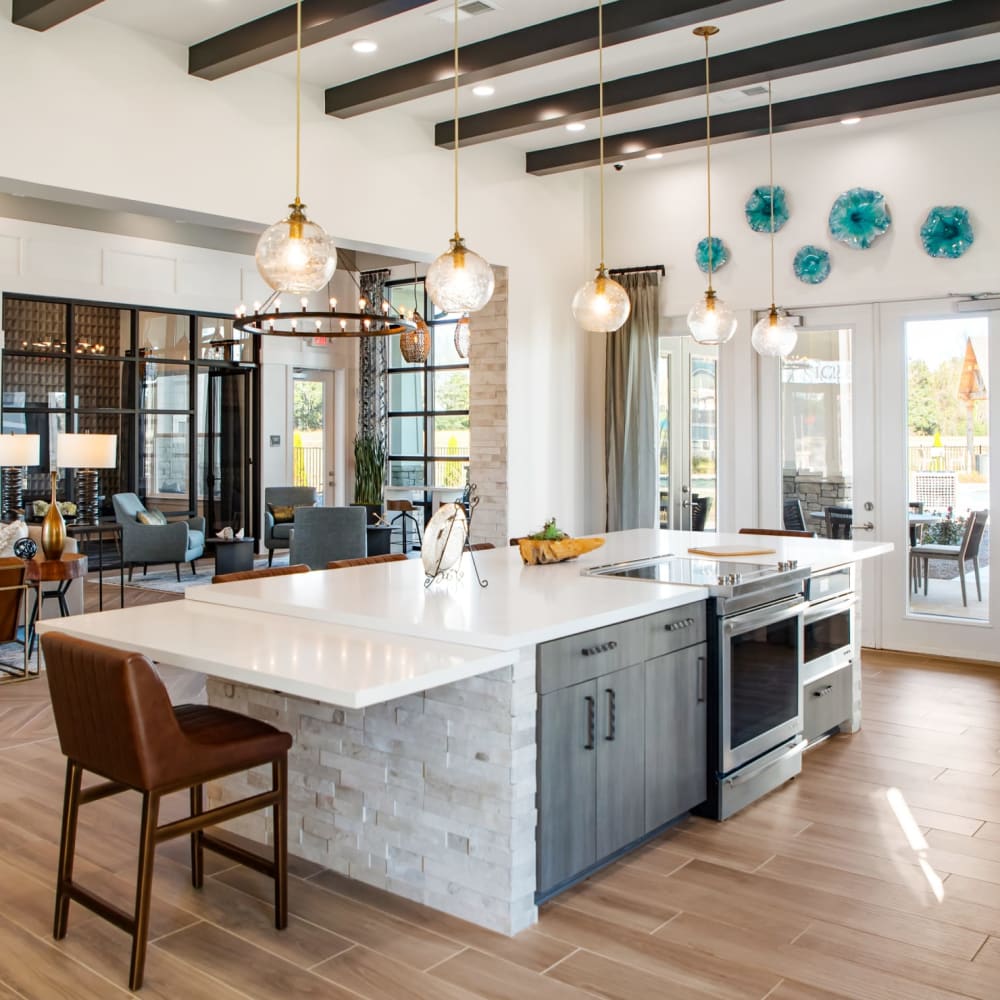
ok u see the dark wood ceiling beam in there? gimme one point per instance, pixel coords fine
(525, 48)
(903, 94)
(274, 34)
(44, 14)
(881, 36)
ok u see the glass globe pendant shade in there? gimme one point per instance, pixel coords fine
(462, 337)
(711, 321)
(459, 281)
(774, 336)
(601, 305)
(296, 255)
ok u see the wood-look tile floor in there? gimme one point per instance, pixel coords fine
(875, 875)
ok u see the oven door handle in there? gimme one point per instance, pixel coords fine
(826, 609)
(793, 751)
(765, 616)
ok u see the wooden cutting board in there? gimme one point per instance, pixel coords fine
(731, 550)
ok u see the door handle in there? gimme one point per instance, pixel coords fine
(685, 503)
(702, 677)
(867, 526)
(610, 692)
(589, 745)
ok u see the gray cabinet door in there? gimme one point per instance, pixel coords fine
(676, 708)
(621, 751)
(567, 775)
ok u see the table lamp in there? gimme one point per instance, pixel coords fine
(16, 452)
(86, 453)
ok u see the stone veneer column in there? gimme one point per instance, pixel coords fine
(431, 796)
(488, 414)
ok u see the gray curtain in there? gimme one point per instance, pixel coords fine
(631, 407)
(373, 377)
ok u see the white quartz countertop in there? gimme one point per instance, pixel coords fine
(333, 664)
(523, 605)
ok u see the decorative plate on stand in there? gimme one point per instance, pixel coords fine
(859, 217)
(947, 232)
(444, 540)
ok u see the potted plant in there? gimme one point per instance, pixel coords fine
(369, 474)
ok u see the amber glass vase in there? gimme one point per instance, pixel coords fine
(53, 527)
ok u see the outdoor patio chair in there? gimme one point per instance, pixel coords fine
(967, 550)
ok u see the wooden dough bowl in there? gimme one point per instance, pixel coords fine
(535, 551)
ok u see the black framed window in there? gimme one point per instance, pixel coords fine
(429, 402)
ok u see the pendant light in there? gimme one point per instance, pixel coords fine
(710, 320)
(415, 344)
(459, 280)
(462, 337)
(601, 305)
(296, 255)
(773, 335)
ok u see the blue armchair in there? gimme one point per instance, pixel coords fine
(143, 544)
(323, 534)
(277, 536)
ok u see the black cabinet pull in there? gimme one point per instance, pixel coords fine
(610, 692)
(702, 677)
(604, 647)
(823, 691)
(589, 745)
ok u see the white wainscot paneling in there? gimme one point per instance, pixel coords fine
(139, 271)
(61, 260)
(254, 288)
(10, 254)
(214, 279)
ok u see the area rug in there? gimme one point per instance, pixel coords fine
(164, 579)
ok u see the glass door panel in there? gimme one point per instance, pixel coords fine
(224, 448)
(312, 451)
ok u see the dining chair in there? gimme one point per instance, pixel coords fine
(323, 534)
(966, 551)
(793, 516)
(114, 719)
(838, 521)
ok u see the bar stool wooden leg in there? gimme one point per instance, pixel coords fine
(279, 774)
(67, 848)
(144, 887)
(197, 842)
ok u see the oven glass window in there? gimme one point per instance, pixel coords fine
(764, 679)
(827, 635)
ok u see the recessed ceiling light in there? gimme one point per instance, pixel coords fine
(365, 47)
(484, 90)
(654, 156)
(575, 127)
(850, 121)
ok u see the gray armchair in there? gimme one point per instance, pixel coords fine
(277, 536)
(143, 544)
(323, 534)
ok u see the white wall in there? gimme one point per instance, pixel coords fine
(656, 214)
(105, 110)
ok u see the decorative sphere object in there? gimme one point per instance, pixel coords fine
(601, 305)
(711, 321)
(758, 209)
(296, 255)
(774, 335)
(459, 281)
(859, 217)
(720, 254)
(947, 232)
(25, 548)
(812, 265)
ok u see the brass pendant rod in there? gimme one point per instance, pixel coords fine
(708, 161)
(298, 93)
(600, 112)
(456, 120)
(770, 167)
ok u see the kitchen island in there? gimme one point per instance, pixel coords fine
(415, 710)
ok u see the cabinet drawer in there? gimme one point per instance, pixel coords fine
(581, 657)
(668, 631)
(827, 702)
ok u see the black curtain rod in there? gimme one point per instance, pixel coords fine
(634, 270)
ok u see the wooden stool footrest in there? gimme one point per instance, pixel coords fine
(110, 912)
(240, 854)
(213, 817)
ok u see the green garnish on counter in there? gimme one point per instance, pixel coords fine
(549, 532)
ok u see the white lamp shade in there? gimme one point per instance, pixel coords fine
(19, 449)
(86, 451)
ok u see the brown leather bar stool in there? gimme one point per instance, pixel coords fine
(256, 574)
(405, 509)
(367, 560)
(114, 718)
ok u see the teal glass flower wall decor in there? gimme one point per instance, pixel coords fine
(758, 209)
(947, 232)
(720, 254)
(859, 217)
(812, 265)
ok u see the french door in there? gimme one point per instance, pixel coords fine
(688, 434)
(318, 458)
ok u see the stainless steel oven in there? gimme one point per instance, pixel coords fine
(828, 633)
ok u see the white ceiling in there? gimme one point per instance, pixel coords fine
(427, 31)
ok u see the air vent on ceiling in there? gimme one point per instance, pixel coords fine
(466, 9)
(754, 91)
